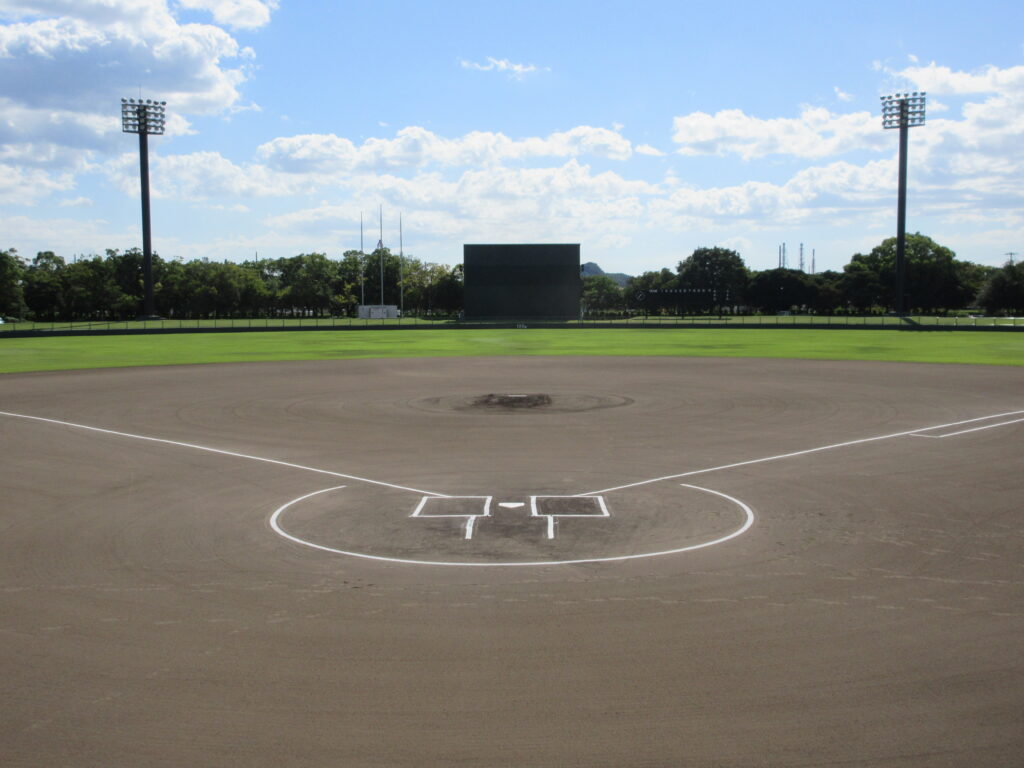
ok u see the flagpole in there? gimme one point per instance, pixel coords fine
(362, 265)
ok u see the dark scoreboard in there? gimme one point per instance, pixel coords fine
(522, 281)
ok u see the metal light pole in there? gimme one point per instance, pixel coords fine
(144, 118)
(903, 111)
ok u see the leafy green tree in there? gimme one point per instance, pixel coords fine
(308, 280)
(861, 286)
(642, 291)
(212, 288)
(827, 294)
(448, 290)
(775, 290)
(1004, 291)
(349, 283)
(44, 286)
(718, 275)
(92, 293)
(169, 288)
(126, 269)
(974, 277)
(602, 294)
(12, 271)
(933, 279)
(255, 297)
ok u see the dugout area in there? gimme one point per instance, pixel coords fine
(522, 281)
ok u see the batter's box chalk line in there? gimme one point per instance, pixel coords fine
(455, 506)
(472, 508)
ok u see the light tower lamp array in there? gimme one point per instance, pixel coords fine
(145, 118)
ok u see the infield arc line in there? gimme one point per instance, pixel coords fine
(276, 526)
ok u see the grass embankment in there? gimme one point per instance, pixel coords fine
(65, 353)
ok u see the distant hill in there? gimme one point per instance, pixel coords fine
(590, 268)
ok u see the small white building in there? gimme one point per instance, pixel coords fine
(378, 312)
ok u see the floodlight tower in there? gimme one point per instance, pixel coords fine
(903, 111)
(144, 118)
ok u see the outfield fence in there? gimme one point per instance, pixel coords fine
(839, 322)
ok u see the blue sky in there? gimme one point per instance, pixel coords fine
(641, 130)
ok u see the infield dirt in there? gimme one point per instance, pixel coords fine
(871, 615)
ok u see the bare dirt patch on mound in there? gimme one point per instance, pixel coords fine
(521, 403)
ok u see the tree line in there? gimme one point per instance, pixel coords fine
(110, 287)
(717, 280)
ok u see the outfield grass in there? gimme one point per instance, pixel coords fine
(65, 353)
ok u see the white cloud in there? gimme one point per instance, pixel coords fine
(842, 95)
(76, 202)
(67, 63)
(416, 147)
(242, 14)
(647, 149)
(515, 71)
(817, 133)
(209, 175)
(811, 193)
(66, 236)
(981, 149)
(20, 185)
(979, 152)
(564, 202)
(943, 80)
(738, 244)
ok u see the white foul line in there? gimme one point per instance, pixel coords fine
(221, 452)
(965, 431)
(803, 453)
(588, 493)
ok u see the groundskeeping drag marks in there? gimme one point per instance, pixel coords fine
(395, 523)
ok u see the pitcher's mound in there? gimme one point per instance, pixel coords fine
(512, 401)
(516, 402)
